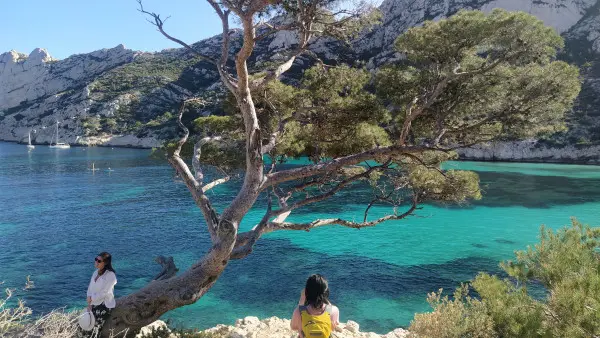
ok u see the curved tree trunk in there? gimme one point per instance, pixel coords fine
(148, 304)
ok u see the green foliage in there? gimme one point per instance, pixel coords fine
(452, 185)
(91, 125)
(566, 263)
(161, 120)
(467, 79)
(110, 124)
(463, 316)
(211, 125)
(325, 17)
(495, 74)
(514, 312)
(332, 114)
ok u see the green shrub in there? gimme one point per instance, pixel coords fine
(566, 263)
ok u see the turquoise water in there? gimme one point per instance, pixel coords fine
(56, 215)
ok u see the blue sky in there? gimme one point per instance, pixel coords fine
(66, 27)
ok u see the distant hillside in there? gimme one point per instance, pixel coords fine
(122, 97)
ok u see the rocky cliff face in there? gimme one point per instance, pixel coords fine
(532, 151)
(121, 97)
(37, 90)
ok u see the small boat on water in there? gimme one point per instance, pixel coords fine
(29, 145)
(59, 145)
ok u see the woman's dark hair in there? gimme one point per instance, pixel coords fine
(316, 291)
(107, 259)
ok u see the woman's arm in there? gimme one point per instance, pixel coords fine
(335, 316)
(108, 283)
(89, 290)
(296, 323)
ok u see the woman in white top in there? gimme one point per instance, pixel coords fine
(100, 293)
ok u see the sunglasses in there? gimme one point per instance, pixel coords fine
(98, 260)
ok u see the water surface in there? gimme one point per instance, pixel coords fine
(56, 215)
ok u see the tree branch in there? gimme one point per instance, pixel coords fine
(382, 154)
(245, 241)
(429, 101)
(214, 183)
(229, 81)
(159, 23)
(338, 221)
(193, 185)
(333, 190)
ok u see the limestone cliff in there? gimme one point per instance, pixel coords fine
(122, 97)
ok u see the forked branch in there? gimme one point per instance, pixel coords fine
(193, 185)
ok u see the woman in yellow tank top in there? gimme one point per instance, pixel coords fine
(315, 316)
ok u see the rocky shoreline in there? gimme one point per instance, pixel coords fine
(532, 151)
(252, 327)
(520, 151)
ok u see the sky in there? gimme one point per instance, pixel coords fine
(66, 27)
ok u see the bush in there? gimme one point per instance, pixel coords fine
(12, 318)
(565, 263)
(16, 321)
(463, 316)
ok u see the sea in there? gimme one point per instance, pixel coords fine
(56, 215)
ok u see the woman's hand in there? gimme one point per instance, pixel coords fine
(302, 298)
(89, 301)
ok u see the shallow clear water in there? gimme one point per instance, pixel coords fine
(56, 215)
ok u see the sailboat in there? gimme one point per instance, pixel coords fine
(57, 144)
(29, 145)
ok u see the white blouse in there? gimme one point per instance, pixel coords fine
(102, 290)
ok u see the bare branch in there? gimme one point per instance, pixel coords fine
(195, 187)
(227, 79)
(245, 241)
(198, 154)
(214, 183)
(159, 23)
(382, 199)
(338, 221)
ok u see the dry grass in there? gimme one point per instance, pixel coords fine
(12, 318)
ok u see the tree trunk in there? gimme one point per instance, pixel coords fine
(148, 304)
(141, 308)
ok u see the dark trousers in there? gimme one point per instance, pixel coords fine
(101, 314)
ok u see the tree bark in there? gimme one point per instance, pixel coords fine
(143, 307)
